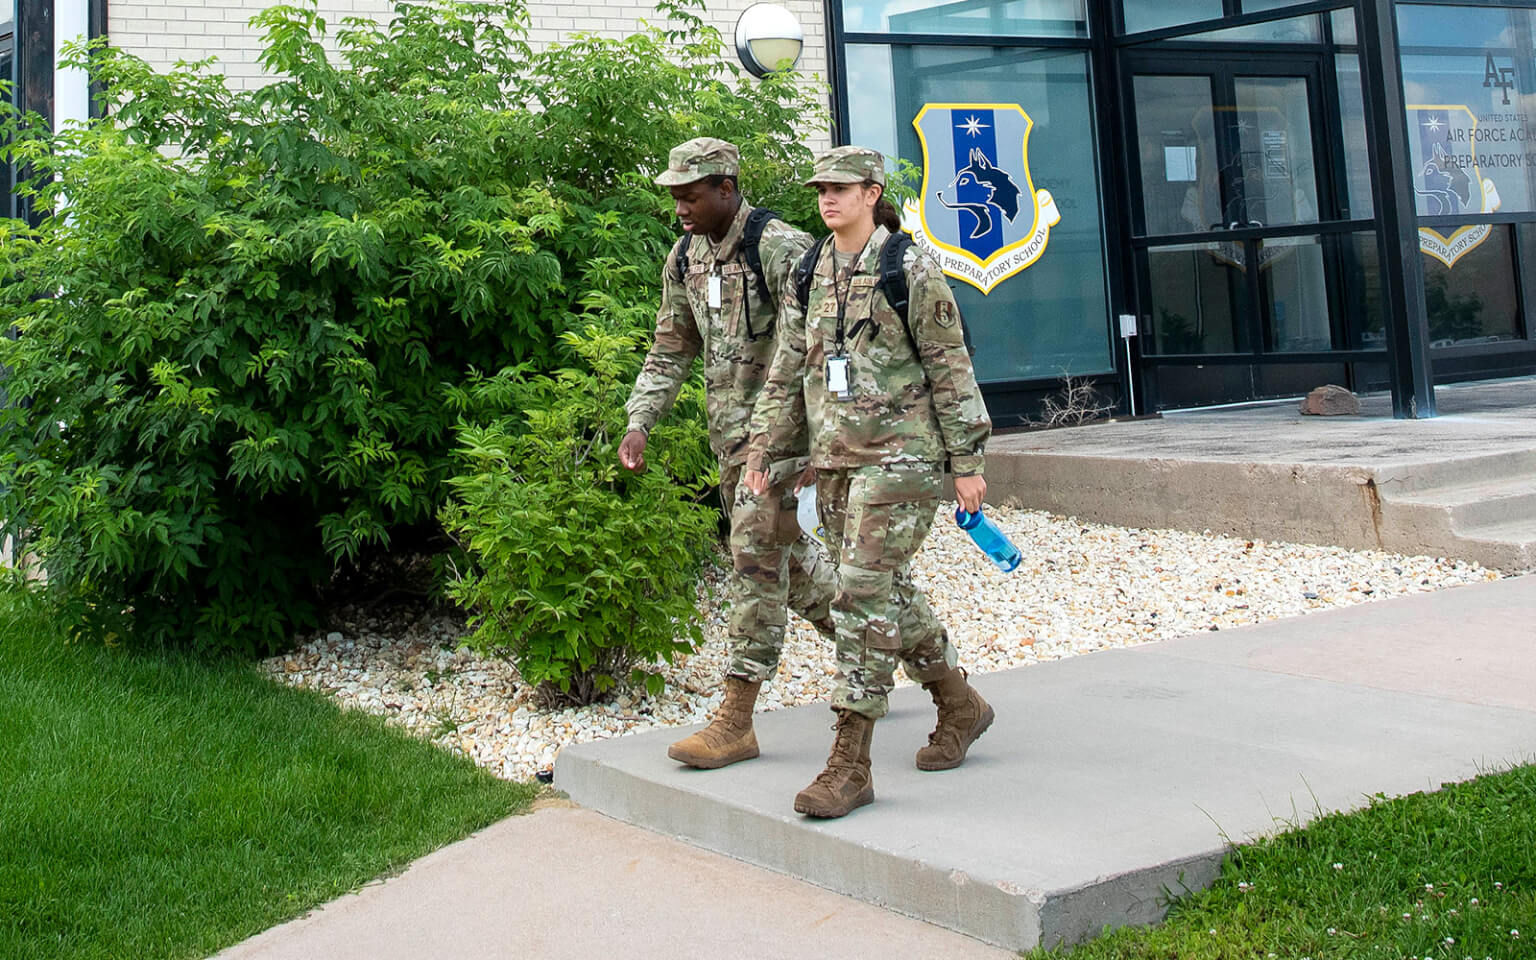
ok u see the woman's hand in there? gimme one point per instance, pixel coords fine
(756, 481)
(970, 491)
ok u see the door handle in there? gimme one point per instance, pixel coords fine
(1256, 223)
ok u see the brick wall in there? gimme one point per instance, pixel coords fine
(164, 31)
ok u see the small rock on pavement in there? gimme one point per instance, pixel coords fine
(1330, 401)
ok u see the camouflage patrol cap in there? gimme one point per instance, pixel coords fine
(848, 165)
(699, 158)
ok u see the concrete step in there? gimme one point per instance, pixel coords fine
(1480, 503)
(1448, 471)
(1512, 544)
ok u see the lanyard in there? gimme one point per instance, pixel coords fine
(842, 292)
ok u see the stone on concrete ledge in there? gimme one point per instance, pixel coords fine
(1331, 401)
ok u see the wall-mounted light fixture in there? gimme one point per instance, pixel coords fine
(768, 38)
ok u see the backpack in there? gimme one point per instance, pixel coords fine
(892, 283)
(751, 237)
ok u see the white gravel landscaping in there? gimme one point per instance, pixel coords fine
(1082, 587)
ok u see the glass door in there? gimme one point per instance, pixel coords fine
(1231, 274)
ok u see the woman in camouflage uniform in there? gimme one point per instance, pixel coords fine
(890, 401)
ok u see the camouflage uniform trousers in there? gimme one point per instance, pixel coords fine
(881, 514)
(776, 569)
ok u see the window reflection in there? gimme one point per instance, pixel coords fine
(1296, 30)
(1198, 295)
(1181, 190)
(1469, 78)
(1474, 300)
(996, 18)
(1155, 14)
(1295, 295)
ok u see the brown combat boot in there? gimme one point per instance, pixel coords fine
(846, 782)
(729, 738)
(963, 716)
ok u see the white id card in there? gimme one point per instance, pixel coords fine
(714, 291)
(837, 377)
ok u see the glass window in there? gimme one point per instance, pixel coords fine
(992, 18)
(1259, 6)
(1295, 295)
(1472, 299)
(1359, 204)
(1155, 14)
(1364, 309)
(1181, 189)
(1053, 316)
(1469, 75)
(1344, 28)
(1274, 134)
(1198, 293)
(1294, 30)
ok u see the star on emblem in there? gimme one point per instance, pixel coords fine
(1433, 124)
(972, 126)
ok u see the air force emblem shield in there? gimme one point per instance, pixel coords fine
(1449, 179)
(979, 213)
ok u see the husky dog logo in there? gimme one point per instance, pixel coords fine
(982, 190)
(1450, 179)
(1443, 188)
(979, 213)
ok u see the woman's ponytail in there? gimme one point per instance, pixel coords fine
(885, 212)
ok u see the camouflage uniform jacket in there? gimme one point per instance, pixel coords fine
(737, 339)
(905, 406)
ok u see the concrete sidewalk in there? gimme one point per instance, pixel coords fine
(1112, 777)
(568, 884)
(1106, 779)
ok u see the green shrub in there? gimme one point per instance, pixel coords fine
(238, 336)
(580, 571)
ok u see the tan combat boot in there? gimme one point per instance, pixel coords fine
(729, 738)
(846, 782)
(963, 716)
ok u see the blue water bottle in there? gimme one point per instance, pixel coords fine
(992, 541)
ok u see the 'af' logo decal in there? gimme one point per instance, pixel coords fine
(979, 213)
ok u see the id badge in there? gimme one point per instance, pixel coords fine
(837, 378)
(714, 291)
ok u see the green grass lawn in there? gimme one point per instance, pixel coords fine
(159, 806)
(1445, 875)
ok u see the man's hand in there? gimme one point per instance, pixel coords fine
(632, 450)
(970, 491)
(756, 481)
(807, 479)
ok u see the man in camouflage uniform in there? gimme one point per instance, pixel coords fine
(887, 406)
(719, 310)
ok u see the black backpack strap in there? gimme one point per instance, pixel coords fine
(680, 256)
(893, 280)
(806, 270)
(751, 237)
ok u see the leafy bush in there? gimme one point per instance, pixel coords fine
(243, 312)
(580, 571)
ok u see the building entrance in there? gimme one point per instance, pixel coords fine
(1241, 249)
